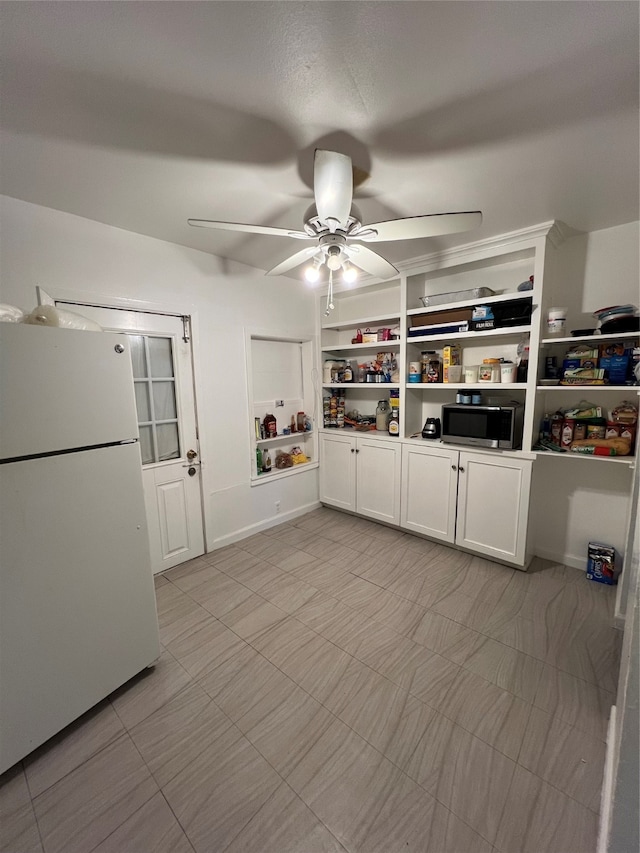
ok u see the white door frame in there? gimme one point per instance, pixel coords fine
(97, 300)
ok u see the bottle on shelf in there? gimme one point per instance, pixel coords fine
(270, 426)
(393, 421)
(266, 461)
(300, 422)
(347, 375)
(293, 423)
(258, 460)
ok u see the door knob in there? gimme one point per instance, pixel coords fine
(461, 469)
(453, 467)
(191, 454)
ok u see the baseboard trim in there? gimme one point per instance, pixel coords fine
(259, 526)
(564, 559)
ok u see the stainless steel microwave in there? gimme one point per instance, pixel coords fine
(483, 426)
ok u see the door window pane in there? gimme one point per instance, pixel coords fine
(146, 445)
(168, 447)
(164, 400)
(142, 402)
(138, 356)
(160, 356)
(156, 405)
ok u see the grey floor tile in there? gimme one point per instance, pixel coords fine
(174, 735)
(218, 793)
(288, 592)
(469, 611)
(72, 747)
(152, 828)
(285, 824)
(504, 666)
(18, 825)
(206, 647)
(148, 691)
(539, 818)
(87, 805)
(583, 705)
(219, 593)
(322, 575)
(567, 758)
(178, 614)
(487, 711)
(252, 617)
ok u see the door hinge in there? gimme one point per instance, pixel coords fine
(186, 328)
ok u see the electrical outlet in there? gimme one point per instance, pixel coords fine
(279, 403)
(277, 506)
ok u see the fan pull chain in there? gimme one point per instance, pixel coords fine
(329, 295)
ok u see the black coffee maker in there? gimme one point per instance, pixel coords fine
(431, 428)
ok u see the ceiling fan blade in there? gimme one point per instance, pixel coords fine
(332, 185)
(370, 261)
(251, 229)
(294, 261)
(415, 227)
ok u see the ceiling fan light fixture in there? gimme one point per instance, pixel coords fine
(349, 273)
(334, 258)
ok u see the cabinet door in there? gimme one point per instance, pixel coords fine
(493, 505)
(378, 468)
(429, 490)
(338, 470)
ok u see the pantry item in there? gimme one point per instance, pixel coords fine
(526, 285)
(300, 422)
(357, 339)
(568, 427)
(471, 374)
(557, 321)
(270, 426)
(508, 371)
(293, 424)
(451, 357)
(415, 371)
(489, 370)
(327, 369)
(431, 367)
(556, 428)
(466, 398)
(476, 399)
(596, 428)
(618, 446)
(369, 337)
(347, 375)
(601, 563)
(283, 460)
(382, 412)
(258, 460)
(266, 461)
(384, 334)
(456, 296)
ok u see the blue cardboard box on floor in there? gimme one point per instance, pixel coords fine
(601, 564)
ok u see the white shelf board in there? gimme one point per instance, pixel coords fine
(576, 339)
(482, 386)
(363, 322)
(381, 435)
(379, 346)
(372, 385)
(467, 303)
(620, 460)
(631, 389)
(510, 332)
(258, 479)
(279, 439)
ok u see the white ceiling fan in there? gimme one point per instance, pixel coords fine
(336, 228)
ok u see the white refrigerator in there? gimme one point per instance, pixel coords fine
(77, 604)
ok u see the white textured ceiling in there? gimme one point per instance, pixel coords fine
(143, 114)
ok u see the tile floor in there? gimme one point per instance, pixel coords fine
(331, 685)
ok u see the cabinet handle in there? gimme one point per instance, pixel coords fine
(454, 467)
(358, 450)
(353, 450)
(461, 469)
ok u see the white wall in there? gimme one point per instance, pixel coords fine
(64, 254)
(578, 501)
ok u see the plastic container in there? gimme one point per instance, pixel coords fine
(431, 367)
(415, 371)
(557, 321)
(489, 370)
(508, 371)
(471, 374)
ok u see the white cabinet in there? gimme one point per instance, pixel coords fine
(429, 490)
(493, 505)
(338, 470)
(477, 501)
(362, 475)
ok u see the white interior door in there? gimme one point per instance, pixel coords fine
(163, 380)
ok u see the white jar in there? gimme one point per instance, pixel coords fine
(557, 321)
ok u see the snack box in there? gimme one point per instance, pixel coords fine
(583, 352)
(601, 564)
(573, 363)
(617, 367)
(615, 348)
(451, 356)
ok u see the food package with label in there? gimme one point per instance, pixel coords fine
(451, 357)
(602, 566)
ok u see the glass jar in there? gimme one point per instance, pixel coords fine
(431, 366)
(382, 413)
(489, 370)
